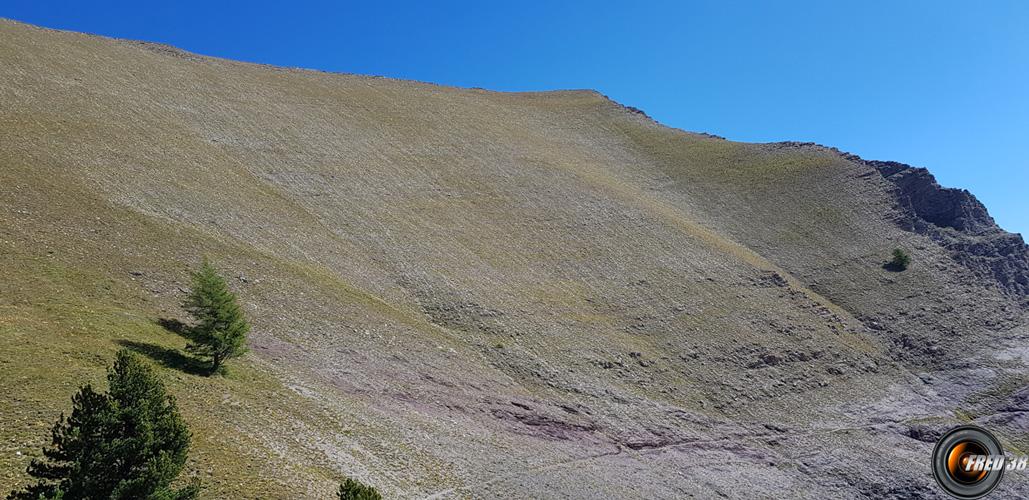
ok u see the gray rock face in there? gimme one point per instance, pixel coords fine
(953, 218)
(959, 222)
(934, 204)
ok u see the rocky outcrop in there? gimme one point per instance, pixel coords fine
(954, 218)
(959, 222)
(933, 204)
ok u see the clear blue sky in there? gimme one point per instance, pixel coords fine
(939, 84)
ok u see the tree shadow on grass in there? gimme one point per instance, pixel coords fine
(173, 325)
(893, 267)
(171, 358)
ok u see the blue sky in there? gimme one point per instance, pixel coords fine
(939, 84)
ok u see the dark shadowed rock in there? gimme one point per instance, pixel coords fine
(960, 223)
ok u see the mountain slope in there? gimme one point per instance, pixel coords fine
(468, 293)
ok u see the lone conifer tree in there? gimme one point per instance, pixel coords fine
(352, 489)
(901, 260)
(220, 330)
(126, 444)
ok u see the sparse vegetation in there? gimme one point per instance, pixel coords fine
(901, 259)
(128, 443)
(220, 330)
(577, 236)
(352, 489)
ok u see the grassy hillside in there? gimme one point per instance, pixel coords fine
(463, 293)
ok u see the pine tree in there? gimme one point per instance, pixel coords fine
(126, 444)
(901, 259)
(220, 330)
(351, 489)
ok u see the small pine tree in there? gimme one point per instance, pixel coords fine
(351, 489)
(901, 259)
(126, 444)
(220, 330)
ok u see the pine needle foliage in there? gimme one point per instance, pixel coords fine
(220, 329)
(130, 443)
(901, 259)
(352, 489)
